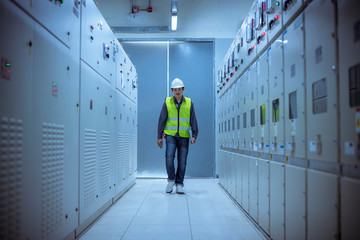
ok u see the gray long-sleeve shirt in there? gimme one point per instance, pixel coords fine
(164, 115)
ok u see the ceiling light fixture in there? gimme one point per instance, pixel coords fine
(174, 22)
(174, 11)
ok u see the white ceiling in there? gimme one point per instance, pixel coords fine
(196, 18)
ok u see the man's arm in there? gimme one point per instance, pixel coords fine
(161, 124)
(193, 122)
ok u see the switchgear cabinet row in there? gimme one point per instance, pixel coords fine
(288, 118)
(68, 118)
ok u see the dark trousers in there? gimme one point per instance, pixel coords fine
(181, 145)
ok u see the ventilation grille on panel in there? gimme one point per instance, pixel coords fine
(52, 178)
(133, 153)
(11, 149)
(127, 156)
(105, 162)
(120, 157)
(90, 167)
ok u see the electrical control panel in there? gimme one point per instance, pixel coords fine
(264, 194)
(263, 106)
(321, 81)
(295, 202)
(97, 36)
(251, 33)
(349, 72)
(277, 200)
(61, 18)
(276, 97)
(322, 205)
(252, 108)
(244, 113)
(261, 26)
(244, 60)
(274, 17)
(294, 89)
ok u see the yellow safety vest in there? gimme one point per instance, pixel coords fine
(178, 120)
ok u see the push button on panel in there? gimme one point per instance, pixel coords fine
(5, 69)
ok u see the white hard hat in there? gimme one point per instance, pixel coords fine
(177, 83)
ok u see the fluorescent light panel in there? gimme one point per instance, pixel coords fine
(173, 22)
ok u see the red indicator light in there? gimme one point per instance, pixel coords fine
(8, 71)
(263, 6)
(120, 64)
(92, 27)
(277, 17)
(233, 72)
(54, 89)
(253, 47)
(128, 73)
(263, 34)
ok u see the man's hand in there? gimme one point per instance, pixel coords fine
(193, 141)
(160, 143)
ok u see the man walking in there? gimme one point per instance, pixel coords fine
(178, 123)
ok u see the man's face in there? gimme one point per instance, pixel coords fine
(177, 92)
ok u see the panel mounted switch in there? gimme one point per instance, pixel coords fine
(260, 38)
(5, 69)
(106, 52)
(273, 22)
(287, 4)
(250, 50)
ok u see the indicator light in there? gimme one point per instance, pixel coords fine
(252, 46)
(263, 34)
(277, 17)
(263, 22)
(7, 64)
(277, 3)
(233, 72)
(8, 71)
(92, 27)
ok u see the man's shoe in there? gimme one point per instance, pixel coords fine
(169, 187)
(180, 189)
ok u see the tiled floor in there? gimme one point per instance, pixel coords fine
(146, 212)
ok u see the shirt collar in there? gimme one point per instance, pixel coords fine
(182, 99)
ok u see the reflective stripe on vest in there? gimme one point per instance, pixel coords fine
(178, 119)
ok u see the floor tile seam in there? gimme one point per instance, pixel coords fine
(187, 204)
(132, 220)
